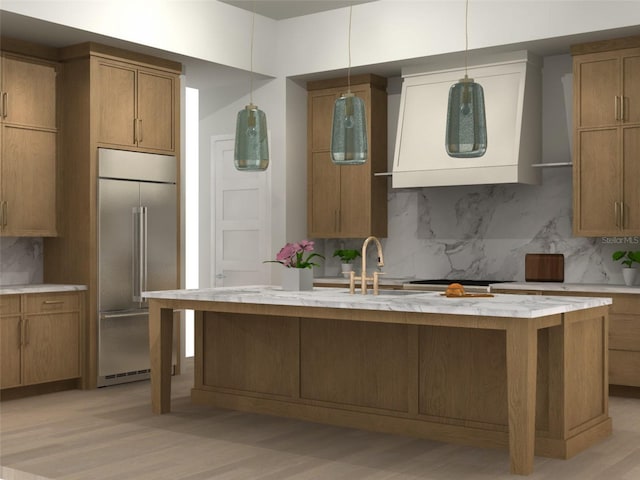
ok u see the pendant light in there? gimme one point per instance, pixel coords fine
(251, 151)
(349, 131)
(466, 134)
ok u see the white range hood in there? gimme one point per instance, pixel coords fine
(512, 86)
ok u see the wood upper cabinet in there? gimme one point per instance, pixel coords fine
(28, 152)
(606, 172)
(136, 106)
(41, 335)
(346, 201)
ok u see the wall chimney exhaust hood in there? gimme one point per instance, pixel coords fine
(512, 84)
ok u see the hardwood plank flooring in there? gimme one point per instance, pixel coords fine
(110, 433)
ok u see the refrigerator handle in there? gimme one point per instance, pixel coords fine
(139, 258)
(143, 250)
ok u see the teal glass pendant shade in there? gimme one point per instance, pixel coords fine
(466, 120)
(252, 146)
(349, 132)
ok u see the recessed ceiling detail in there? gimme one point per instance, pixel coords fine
(281, 9)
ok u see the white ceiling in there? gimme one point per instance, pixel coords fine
(281, 9)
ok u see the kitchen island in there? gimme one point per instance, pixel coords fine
(527, 373)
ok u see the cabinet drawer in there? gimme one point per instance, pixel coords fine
(9, 304)
(624, 368)
(52, 302)
(624, 332)
(629, 304)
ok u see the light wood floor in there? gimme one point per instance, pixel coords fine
(110, 434)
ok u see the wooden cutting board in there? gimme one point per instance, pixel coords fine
(544, 267)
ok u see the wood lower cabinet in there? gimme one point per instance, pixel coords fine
(10, 341)
(41, 338)
(624, 333)
(606, 173)
(346, 201)
(28, 152)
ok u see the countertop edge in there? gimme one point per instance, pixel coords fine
(40, 288)
(567, 287)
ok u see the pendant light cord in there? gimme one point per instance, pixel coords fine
(349, 48)
(466, 37)
(253, 23)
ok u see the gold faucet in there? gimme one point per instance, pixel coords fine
(363, 276)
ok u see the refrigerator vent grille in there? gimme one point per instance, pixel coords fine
(126, 374)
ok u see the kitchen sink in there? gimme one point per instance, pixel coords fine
(385, 293)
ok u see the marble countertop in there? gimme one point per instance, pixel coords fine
(40, 288)
(501, 305)
(568, 287)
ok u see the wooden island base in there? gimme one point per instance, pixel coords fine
(448, 381)
(527, 373)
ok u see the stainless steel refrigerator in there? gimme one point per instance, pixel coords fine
(137, 235)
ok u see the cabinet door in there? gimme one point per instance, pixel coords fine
(631, 88)
(355, 201)
(597, 175)
(321, 119)
(156, 111)
(355, 185)
(10, 342)
(324, 196)
(115, 98)
(597, 84)
(30, 90)
(631, 177)
(51, 347)
(28, 181)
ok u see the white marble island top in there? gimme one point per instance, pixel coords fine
(500, 305)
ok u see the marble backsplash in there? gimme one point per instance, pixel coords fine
(484, 232)
(20, 260)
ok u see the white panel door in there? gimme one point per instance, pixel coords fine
(241, 219)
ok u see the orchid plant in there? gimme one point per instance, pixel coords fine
(292, 255)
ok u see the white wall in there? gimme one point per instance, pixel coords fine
(208, 30)
(410, 30)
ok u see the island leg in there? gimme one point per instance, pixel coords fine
(522, 353)
(160, 346)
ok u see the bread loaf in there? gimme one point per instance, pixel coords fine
(455, 290)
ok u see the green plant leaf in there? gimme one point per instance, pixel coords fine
(634, 256)
(618, 255)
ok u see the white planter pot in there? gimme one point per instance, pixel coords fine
(346, 268)
(296, 279)
(629, 275)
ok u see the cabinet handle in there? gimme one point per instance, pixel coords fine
(139, 130)
(26, 332)
(622, 108)
(53, 302)
(616, 216)
(4, 104)
(1, 215)
(19, 333)
(622, 214)
(615, 107)
(5, 215)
